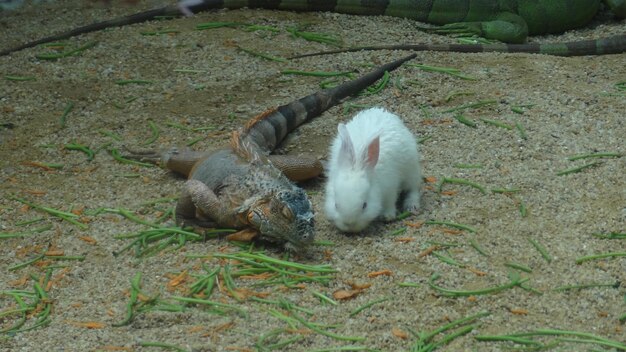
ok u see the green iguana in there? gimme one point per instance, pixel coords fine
(509, 21)
(242, 186)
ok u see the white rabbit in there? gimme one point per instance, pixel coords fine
(373, 158)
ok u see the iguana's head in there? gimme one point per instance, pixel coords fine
(287, 216)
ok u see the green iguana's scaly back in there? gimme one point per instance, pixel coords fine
(504, 20)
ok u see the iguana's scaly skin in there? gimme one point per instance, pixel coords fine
(242, 186)
(509, 21)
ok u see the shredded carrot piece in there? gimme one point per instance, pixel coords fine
(356, 286)
(476, 271)
(451, 231)
(430, 179)
(177, 280)
(404, 239)
(449, 193)
(428, 251)
(37, 164)
(79, 210)
(472, 298)
(88, 239)
(88, 325)
(21, 282)
(54, 253)
(346, 294)
(397, 332)
(416, 224)
(386, 272)
(196, 328)
(519, 311)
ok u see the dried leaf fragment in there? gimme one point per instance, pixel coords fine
(88, 324)
(345, 294)
(519, 311)
(386, 272)
(399, 333)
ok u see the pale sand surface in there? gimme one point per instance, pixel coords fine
(574, 108)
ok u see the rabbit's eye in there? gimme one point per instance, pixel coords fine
(364, 205)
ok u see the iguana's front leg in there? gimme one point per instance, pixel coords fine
(297, 168)
(199, 206)
(505, 27)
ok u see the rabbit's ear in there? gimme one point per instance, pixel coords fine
(346, 152)
(373, 151)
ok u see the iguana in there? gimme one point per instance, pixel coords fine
(509, 21)
(242, 186)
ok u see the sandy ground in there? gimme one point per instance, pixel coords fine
(573, 108)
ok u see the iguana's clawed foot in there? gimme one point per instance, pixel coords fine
(151, 156)
(467, 29)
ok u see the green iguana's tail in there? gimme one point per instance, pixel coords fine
(263, 133)
(610, 45)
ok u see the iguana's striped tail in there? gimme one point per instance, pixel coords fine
(604, 46)
(263, 133)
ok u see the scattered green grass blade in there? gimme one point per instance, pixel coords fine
(581, 337)
(425, 341)
(19, 78)
(397, 232)
(595, 155)
(464, 120)
(159, 32)
(32, 304)
(5, 235)
(446, 70)
(55, 56)
(83, 148)
(451, 224)
(368, 305)
(519, 266)
(124, 82)
(213, 25)
(68, 107)
(155, 133)
(349, 74)
(600, 256)
(382, 83)
(110, 135)
(69, 217)
(541, 249)
(461, 181)
(577, 169)
(496, 123)
(478, 248)
(262, 55)
(584, 286)
(42, 257)
(323, 38)
(522, 131)
(516, 280)
(471, 105)
(321, 331)
(323, 298)
(611, 236)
